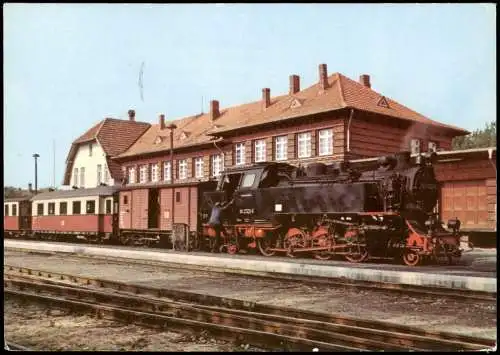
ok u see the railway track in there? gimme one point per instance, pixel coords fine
(482, 296)
(10, 346)
(260, 325)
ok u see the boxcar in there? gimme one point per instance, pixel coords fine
(149, 214)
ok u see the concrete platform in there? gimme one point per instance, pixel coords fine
(459, 277)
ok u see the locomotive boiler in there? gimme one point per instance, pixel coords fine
(386, 211)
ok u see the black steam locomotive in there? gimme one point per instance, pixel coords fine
(384, 211)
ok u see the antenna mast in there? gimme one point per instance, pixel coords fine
(54, 161)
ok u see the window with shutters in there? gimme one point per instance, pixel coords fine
(304, 145)
(239, 154)
(280, 147)
(216, 165)
(415, 146)
(99, 174)
(155, 170)
(260, 150)
(143, 174)
(75, 177)
(82, 177)
(167, 172)
(198, 167)
(183, 169)
(106, 175)
(131, 175)
(325, 142)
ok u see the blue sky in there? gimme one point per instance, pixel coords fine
(67, 66)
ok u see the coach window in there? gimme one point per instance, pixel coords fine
(52, 208)
(177, 196)
(39, 211)
(90, 207)
(63, 208)
(108, 206)
(77, 205)
(14, 209)
(6, 212)
(125, 200)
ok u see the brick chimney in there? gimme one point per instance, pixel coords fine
(365, 80)
(294, 84)
(323, 76)
(162, 121)
(131, 115)
(266, 98)
(214, 110)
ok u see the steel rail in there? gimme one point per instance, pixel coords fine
(308, 280)
(264, 339)
(379, 331)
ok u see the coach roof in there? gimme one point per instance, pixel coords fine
(96, 191)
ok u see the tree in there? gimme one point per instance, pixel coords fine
(480, 138)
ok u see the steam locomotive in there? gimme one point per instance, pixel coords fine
(386, 211)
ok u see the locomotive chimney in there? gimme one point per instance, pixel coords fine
(323, 76)
(365, 80)
(214, 110)
(266, 98)
(294, 84)
(162, 121)
(131, 115)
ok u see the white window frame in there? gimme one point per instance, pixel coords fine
(82, 176)
(143, 174)
(239, 154)
(167, 171)
(281, 148)
(99, 174)
(325, 142)
(304, 145)
(106, 175)
(183, 165)
(415, 146)
(155, 169)
(432, 146)
(75, 177)
(216, 165)
(131, 175)
(198, 168)
(260, 150)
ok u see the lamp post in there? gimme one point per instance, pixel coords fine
(36, 156)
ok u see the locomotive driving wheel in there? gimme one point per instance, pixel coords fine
(356, 253)
(324, 241)
(264, 244)
(411, 257)
(295, 240)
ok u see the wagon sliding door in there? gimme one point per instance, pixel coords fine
(153, 209)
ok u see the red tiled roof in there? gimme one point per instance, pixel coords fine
(341, 93)
(114, 135)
